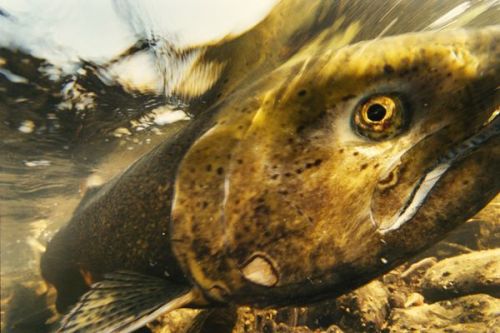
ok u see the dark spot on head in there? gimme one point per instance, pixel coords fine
(376, 165)
(347, 97)
(300, 128)
(445, 274)
(288, 174)
(302, 92)
(239, 252)
(465, 182)
(201, 249)
(290, 140)
(341, 150)
(299, 171)
(239, 161)
(204, 204)
(208, 167)
(355, 153)
(262, 210)
(274, 177)
(364, 166)
(316, 163)
(388, 69)
(220, 170)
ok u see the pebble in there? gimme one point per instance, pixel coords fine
(472, 273)
(473, 313)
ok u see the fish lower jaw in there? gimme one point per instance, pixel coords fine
(427, 182)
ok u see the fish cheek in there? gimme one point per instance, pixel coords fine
(259, 218)
(293, 206)
(198, 223)
(258, 223)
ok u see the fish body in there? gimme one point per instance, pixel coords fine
(323, 173)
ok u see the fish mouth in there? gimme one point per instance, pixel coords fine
(417, 195)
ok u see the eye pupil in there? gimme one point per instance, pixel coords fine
(376, 112)
(380, 117)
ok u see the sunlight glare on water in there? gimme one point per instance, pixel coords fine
(54, 145)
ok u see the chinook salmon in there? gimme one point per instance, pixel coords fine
(318, 176)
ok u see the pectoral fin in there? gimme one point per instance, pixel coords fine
(123, 302)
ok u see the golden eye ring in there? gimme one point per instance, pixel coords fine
(379, 117)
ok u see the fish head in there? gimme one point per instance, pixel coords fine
(339, 165)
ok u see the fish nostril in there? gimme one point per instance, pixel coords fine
(259, 269)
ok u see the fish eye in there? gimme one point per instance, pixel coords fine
(379, 117)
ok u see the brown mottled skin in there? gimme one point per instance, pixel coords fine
(276, 168)
(295, 183)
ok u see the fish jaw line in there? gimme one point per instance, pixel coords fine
(427, 182)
